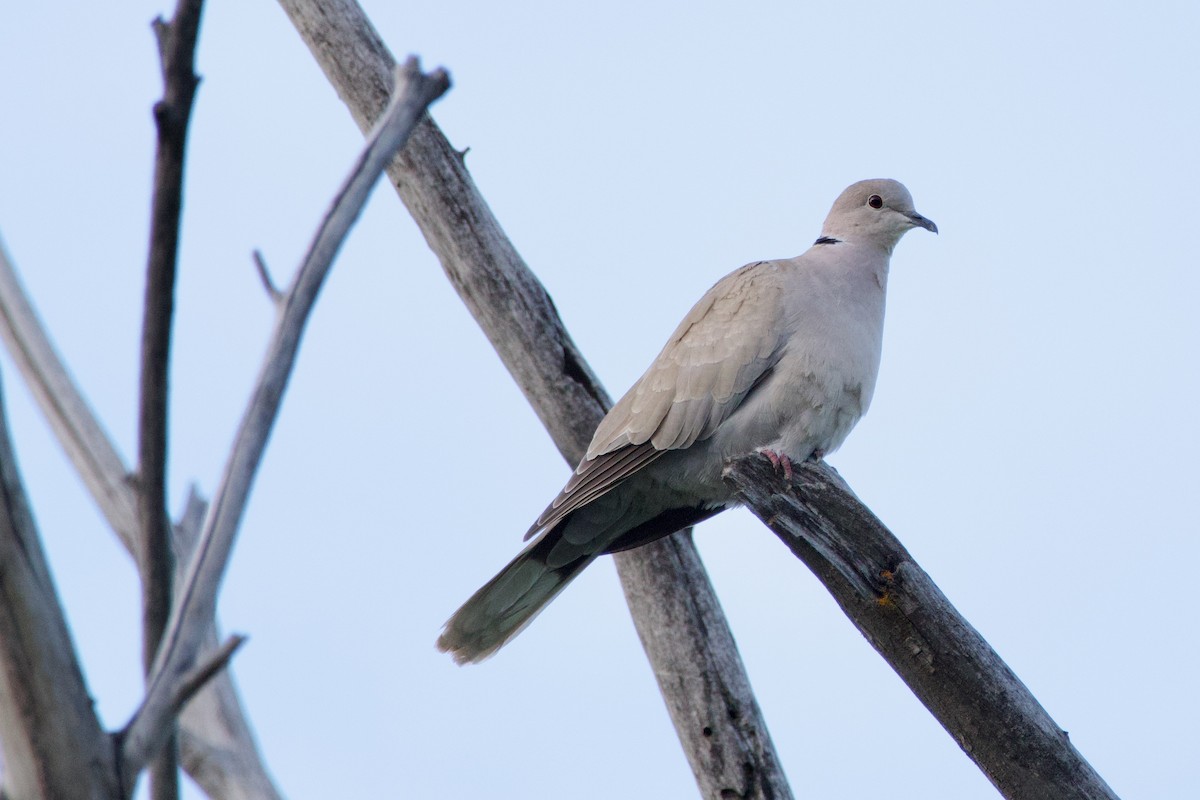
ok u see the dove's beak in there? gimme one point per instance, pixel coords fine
(921, 222)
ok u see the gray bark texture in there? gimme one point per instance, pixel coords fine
(54, 747)
(892, 601)
(699, 670)
(156, 560)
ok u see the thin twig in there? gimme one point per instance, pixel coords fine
(203, 672)
(264, 275)
(196, 597)
(177, 49)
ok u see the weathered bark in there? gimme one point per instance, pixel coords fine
(713, 700)
(902, 613)
(156, 561)
(722, 733)
(216, 745)
(87, 444)
(54, 747)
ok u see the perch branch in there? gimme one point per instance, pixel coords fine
(694, 657)
(903, 614)
(196, 597)
(177, 50)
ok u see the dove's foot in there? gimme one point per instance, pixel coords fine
(779, 461)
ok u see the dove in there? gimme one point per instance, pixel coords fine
(779, 358)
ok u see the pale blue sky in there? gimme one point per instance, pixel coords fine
(1033, 437)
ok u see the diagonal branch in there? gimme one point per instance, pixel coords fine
(53, 744)
(694, 657)
(195, 601)
(196, 678)
(177, 48)
(893, 602)
(88, 446)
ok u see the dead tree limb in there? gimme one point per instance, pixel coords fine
(695, 660)
(81, 435)
(195, 601)
(156, 564)
(902, 613)
(217, 746)
(54, 747)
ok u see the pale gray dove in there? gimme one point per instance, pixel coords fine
(779, 357)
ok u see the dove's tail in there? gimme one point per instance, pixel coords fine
(510, 601)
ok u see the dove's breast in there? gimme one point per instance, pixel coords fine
(830, 333)
(825, 376)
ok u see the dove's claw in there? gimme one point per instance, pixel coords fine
(778, 461)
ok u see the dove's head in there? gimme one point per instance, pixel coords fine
(879, 211)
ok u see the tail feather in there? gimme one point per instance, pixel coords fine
(508, 602)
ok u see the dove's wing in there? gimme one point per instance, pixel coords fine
(724, 347)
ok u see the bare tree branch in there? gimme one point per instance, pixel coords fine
(902, 613)
(723, 733)
(728, 745)
(213, 742)
(87, 444)
(202, 673)
(177, 48)
(53, 744)
(216, 745)
(218, 748)
(194, 603)
(264, 275)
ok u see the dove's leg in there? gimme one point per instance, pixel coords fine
(778, 461)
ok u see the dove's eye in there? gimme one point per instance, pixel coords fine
(875, 201)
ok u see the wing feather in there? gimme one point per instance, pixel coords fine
(720, 350)
(591, 480)
(728, 342)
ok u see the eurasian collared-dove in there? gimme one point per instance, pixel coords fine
(779, 357)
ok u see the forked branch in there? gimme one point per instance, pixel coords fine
(218, 748)
(196, 598)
